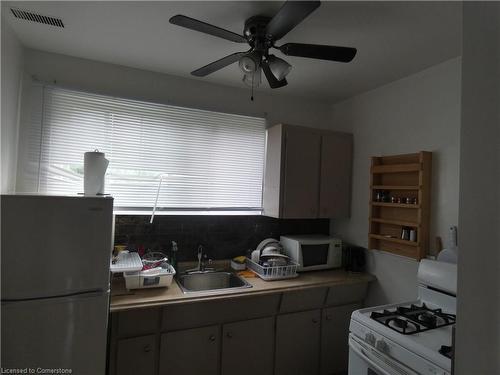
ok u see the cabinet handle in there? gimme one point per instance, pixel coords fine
(314, 320)
(328, 317)
(147, 348)
(229, 335)
(211, 337)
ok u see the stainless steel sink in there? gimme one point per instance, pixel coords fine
(217, 281)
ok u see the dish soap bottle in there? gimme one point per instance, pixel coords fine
(173, 258)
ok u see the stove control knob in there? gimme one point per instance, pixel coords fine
(382, 346)
(370, 338)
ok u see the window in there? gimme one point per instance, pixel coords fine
(208, 160)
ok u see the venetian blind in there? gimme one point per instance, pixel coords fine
(208, 160)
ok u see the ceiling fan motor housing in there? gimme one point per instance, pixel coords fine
(255, 33)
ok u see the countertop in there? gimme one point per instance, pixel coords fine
(122, 299)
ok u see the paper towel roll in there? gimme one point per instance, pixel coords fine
(94, 170)
(450, 253)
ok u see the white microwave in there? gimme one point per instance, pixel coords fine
(313, 252)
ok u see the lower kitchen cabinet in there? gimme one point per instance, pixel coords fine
(334, 338)
(295, 332)
(298, 343)
(136, 356)
(190, 351)
(248, 347)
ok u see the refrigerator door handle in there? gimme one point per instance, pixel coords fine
(90, 293)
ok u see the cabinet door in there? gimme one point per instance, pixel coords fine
(336, 166)
(272, 191)
(248, 347)
(136, 356)
(334, 338)
(138, 322)
(298, 343)
(301, 173)
(190, 351)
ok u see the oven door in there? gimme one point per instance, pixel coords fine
(365, 360)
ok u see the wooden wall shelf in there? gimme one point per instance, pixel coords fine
(400, 176)
(398, 205)
(396, 168)
(391, 239)
(394, 187)
(396, 222)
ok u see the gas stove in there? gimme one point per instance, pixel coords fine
(410, 338)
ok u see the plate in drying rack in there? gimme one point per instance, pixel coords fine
(274, 273)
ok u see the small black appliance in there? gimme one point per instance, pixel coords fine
(355, 259)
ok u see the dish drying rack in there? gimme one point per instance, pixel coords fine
(273, 272)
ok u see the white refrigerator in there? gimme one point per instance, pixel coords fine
(55, 254)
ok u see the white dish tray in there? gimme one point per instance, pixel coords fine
(273, 273)
(126, 262)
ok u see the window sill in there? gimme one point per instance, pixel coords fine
(190, 212)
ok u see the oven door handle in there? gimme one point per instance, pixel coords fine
(359, 351)
(357, 347)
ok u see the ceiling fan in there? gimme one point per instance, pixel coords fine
(261, 33)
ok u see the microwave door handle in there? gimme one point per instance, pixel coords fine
(359, 351)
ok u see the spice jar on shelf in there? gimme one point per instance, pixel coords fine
(413, 235)
(386, 196)
(405, 234)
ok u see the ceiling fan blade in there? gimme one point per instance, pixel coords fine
(289, 16)
(203, 27)
(273, 81)
(219, 64)
(316, 51)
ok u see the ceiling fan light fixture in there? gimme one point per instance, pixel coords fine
(279, 67)
(253, 79)
(250, 63)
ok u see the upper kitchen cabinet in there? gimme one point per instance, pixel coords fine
(291, 180)
(308, 173)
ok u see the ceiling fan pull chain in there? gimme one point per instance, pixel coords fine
(253, 81)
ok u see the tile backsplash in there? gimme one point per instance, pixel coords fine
(222, 237)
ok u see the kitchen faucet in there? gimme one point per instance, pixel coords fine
(202, 259)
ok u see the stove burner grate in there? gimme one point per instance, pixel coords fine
(429, 318)
(406, 327)
(413, 319)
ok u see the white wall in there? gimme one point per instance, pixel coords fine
(12, 66)
(478, 315)
(419, 112)
(115, 80)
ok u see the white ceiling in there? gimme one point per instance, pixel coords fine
(394, 39)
